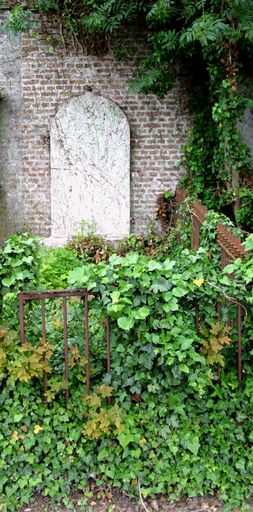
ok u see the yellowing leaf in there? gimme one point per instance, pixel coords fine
(198, 282)
(15, 435)
(37, 429)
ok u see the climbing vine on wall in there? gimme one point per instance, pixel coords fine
(210, 44)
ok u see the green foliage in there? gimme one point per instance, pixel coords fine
(216, 157)
(20, 262)
(244, 215)
(153, 304)
(56, 266)
(90, 247)
(243, 270)
(19, 20)
(159, 415)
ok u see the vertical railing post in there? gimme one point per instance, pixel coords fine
(21, 319)
(195, 233)
(65, 326)
(108, 348)
(42, 296)
(43, 320)
(87, 352)
(239, 347)
(219, 320)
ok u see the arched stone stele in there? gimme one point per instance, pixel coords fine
(90, 160)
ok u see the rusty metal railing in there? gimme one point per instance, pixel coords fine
(231, 249)
(64, 295)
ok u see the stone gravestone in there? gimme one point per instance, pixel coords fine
(90, 176)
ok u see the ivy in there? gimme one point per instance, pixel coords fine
(160, 414)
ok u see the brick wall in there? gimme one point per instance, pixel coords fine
(11, 209)
(158, 127)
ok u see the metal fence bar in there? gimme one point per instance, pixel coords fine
(218, 307)
(195, 233)
(84, 295)
(66, 363)
(43, 317)
(53, 294)
(108, 349)
(87, 352)
(239, 347)
(231, 249)
(197, 317)
(21, 320)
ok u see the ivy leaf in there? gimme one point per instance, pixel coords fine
(193, 444)
(184, 368)
(130, 259)
(154, 265)
(125, 438)
(17, 417)
(174, 305)
(8, 281)
(78, 276)
(126, 323)
(103, 454)
(186, 343)
(115, 297)
(179, 292)
(160, 285)
(141, 313)
(168, 264)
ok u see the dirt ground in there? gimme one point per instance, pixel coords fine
(114, 501)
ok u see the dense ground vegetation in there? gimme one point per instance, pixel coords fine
(169, 427)
(208, 43)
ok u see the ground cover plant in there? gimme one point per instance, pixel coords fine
(159, 420)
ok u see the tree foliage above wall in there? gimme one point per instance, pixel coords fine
(210, 43)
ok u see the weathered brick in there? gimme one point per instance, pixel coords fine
(47, 80)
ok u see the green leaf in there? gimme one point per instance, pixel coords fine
(154, 265)
(186, 343)
(103, 454)
(193, 444)
(17, 417)
(160, 285)
(125, 438)
(130, 259)
(115, 297)
(8, 281)
(126, 323)
(77, 276)
(168, 264)
(179, 292)
(174, 304)
(141, 313)
(183, 368)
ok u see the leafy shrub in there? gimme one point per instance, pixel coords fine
(159, 415)
(20, 261)
(148, 245)
(244, 215)
(55, 267)
(89, 247)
